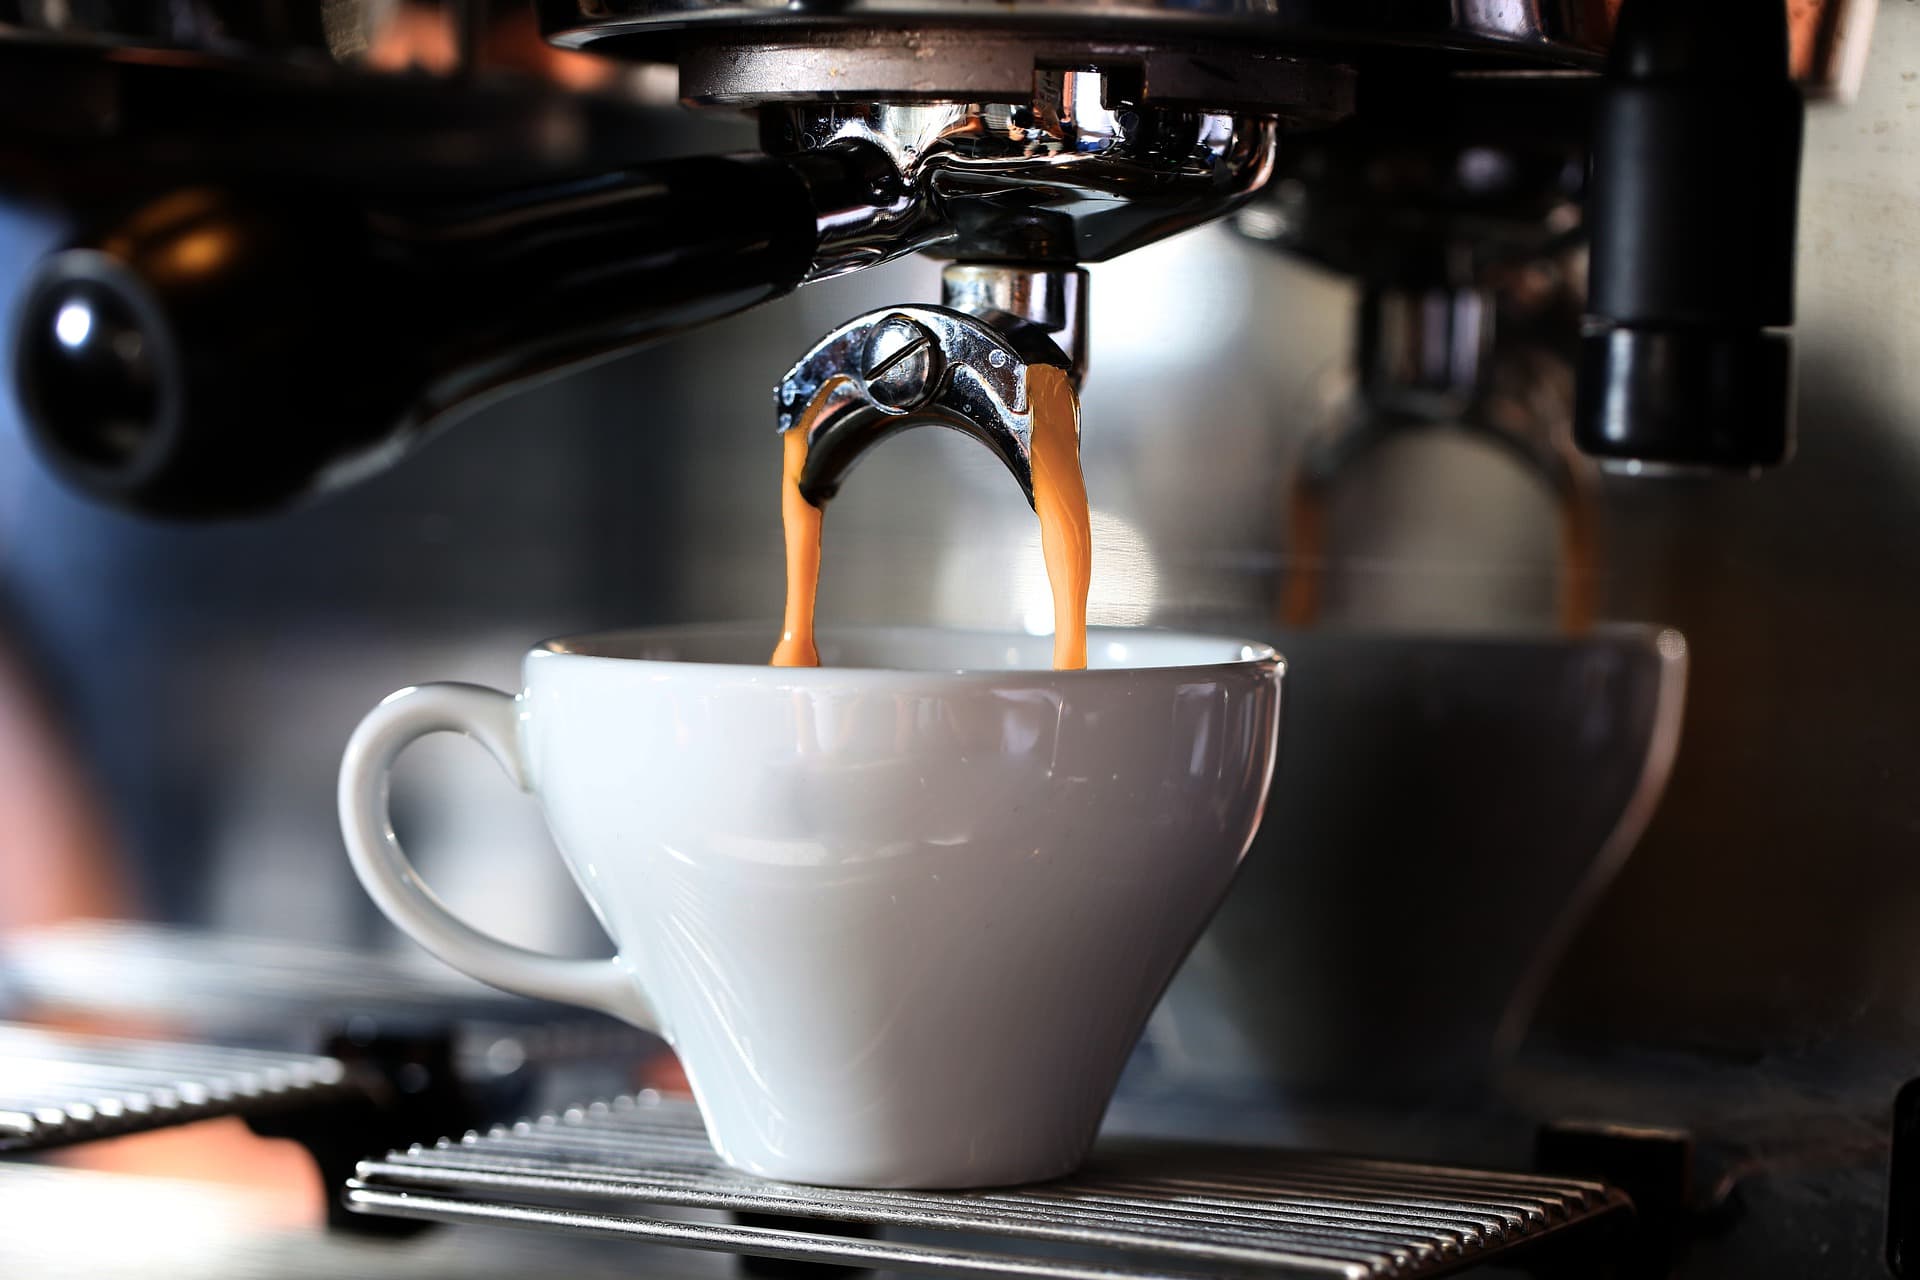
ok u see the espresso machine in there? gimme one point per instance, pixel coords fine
(1018, 149)
(380, 218)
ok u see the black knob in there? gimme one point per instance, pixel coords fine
(1693, 215)
(1681, 398)
(208, 355)
(94, 368)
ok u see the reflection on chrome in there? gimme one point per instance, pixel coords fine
(73, 324)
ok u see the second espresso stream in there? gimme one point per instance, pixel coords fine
(1059, 498)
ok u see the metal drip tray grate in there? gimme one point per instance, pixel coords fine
(1139, 1208)
(57, 1089)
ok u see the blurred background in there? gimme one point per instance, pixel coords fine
(174, 698)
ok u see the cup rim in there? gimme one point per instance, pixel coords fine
(1255, 655)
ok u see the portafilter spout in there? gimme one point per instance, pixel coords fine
(963, 365)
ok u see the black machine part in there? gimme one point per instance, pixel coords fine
(1692, 213)
(222, 349)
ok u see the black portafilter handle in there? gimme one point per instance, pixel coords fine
(1693, 213)
(223, 351)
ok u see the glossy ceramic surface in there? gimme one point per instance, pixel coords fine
(903, 917)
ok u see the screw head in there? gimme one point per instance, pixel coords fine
(901, 364)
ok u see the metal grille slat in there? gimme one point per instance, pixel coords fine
(665, 1187)
(694, 1146)
(988, 1212)
(1357, 1216)
(1081, 1228)
(56, 1089)
(766, 1242)
(1491, 1218)
(1140, 1209)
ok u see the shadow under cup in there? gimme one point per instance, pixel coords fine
(903, 918)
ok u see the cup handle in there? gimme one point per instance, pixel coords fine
(492, 718)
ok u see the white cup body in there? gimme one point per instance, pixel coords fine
(903, 926)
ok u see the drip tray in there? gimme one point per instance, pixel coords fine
(633, 1167)
(58, 1089)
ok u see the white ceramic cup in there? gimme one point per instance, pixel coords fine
(904, 915)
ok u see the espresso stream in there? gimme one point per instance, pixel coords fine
(1059, 497)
